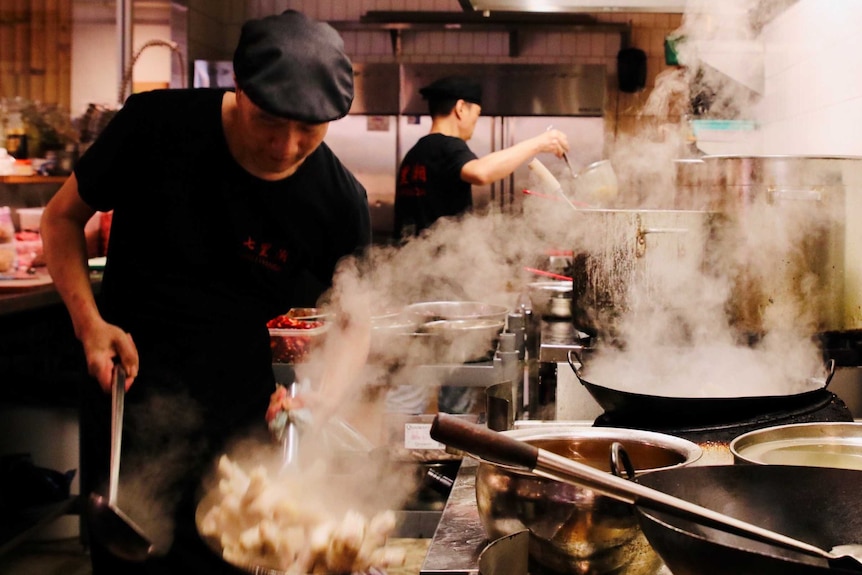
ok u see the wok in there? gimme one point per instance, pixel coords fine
(815, 504)
(701, 411)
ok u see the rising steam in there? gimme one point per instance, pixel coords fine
(662, 257)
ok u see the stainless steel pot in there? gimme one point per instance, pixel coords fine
(792, 239)
(551, 299)
(830, 444)
(689, 179)
(575, 529)
(629, 258)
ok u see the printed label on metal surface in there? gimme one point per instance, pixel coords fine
(418, 436)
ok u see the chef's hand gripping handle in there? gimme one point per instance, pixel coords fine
(483, 442)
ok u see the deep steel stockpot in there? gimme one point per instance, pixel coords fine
(575, 529)
(792, 239)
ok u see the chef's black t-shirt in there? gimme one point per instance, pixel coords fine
(429, 184)
(202, 253)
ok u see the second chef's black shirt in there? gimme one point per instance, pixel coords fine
(429, 184)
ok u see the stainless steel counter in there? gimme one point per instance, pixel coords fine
(460, 537)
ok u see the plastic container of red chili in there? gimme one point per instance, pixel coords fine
(294, 334)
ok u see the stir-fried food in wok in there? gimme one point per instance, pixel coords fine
(258, 522)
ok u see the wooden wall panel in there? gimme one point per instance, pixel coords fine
(36, 50)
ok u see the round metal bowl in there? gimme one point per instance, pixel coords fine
(456, 310)
(575, 529)
(440, 332)
(831, 444)
(551, 298)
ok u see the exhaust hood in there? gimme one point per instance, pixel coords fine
(674, 6)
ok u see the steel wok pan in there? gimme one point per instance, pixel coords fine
(701, 411)
(821, 506)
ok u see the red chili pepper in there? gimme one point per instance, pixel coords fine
(286, 322)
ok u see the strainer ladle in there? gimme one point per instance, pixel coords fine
(113, 528)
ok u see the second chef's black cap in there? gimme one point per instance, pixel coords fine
(453, 88)
(294, 67)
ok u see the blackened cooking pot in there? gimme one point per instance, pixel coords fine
(790, 239)
(646, 408)
(818, 505)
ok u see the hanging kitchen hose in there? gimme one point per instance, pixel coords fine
(127, 75)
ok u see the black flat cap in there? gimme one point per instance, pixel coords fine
(453, 88)
(294, 67)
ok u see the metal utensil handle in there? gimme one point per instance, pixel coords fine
(482, 442)
(291, 434)
(569, 164)
(574, 364)
(830, 373)
(620, 461)
(118, 397)
(794, 195)
(500, 448)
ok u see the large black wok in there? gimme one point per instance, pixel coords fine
(645, 408)
(821, 506)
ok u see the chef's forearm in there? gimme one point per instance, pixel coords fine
(66, 257)
(65, 249)
(499, 164)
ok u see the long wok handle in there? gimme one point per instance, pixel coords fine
(118, 398)
(499, 448)
(483, 442)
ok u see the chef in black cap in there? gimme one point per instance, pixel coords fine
(436, 176)
(228, 210)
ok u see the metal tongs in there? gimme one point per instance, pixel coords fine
(290, 441)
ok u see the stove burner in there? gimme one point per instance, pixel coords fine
(827, 408)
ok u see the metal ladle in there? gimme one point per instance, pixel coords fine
(113, 528)
(499, 448)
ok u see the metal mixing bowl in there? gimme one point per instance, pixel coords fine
(574, 529)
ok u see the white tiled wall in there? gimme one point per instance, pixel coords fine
(812, 103)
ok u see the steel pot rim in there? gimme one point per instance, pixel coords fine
(688, 450)
(776, 157)
(850, 431)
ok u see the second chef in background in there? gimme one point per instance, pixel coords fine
(436, 176)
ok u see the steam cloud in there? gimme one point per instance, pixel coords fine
(710, 275)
